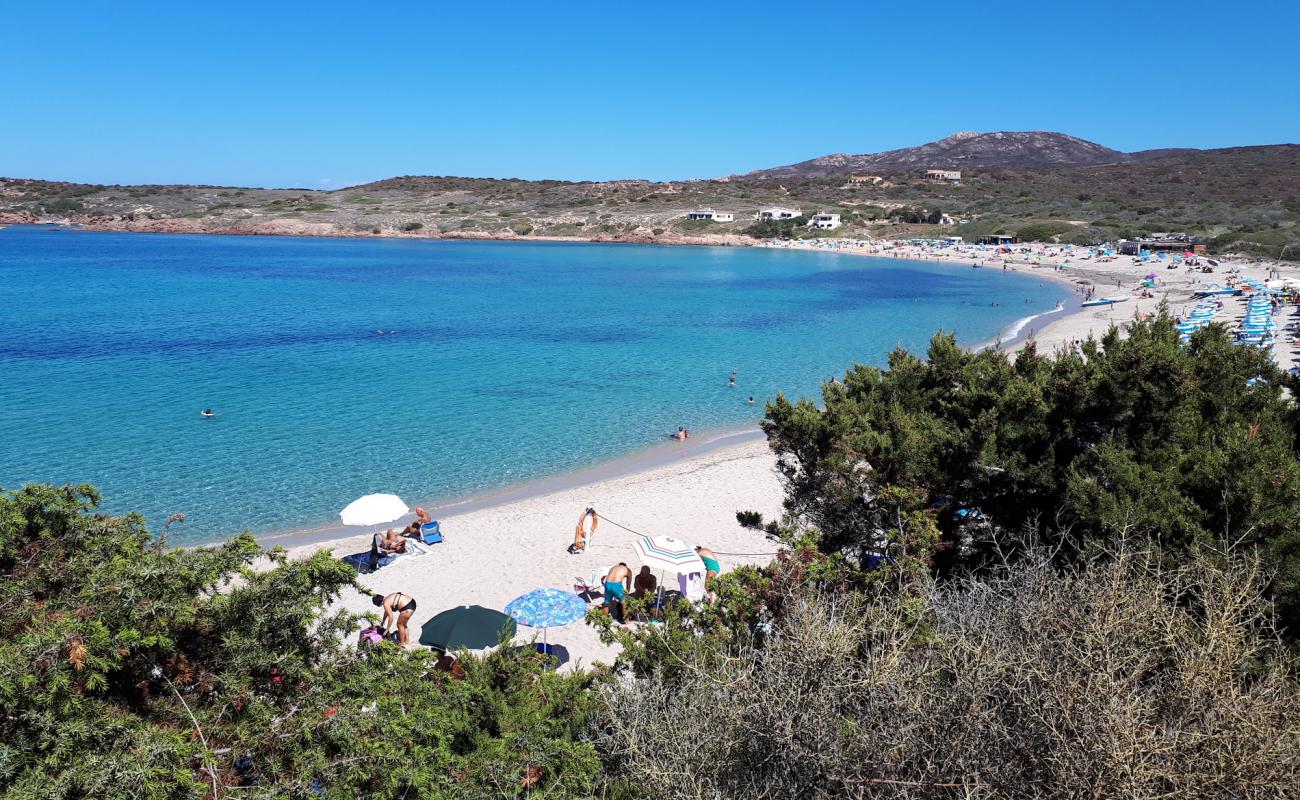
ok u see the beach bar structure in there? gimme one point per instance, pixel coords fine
(710, 215)
(777, 213)
(996, 239)
(1133, 247)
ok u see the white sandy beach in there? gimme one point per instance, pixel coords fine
(492, 555)
(497, 551)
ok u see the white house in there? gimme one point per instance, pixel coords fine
(711, 215)
(777, 213)
(825, 222)
(945, 175)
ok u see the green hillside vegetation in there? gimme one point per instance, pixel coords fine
(1042, 577)
(1241, 200)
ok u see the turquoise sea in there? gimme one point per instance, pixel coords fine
(498, 361)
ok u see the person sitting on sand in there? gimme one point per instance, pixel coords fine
(711, 567)
(421, 517)
(645, 584)
(617, 583)
(397, 607)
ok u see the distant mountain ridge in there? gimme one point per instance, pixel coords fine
(1030, 149)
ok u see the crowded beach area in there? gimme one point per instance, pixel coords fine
(531, 566)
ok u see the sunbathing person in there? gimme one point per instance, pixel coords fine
(394, 542)
(397, 607)
(617, 583)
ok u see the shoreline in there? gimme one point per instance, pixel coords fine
(178, 226)
(642, 460)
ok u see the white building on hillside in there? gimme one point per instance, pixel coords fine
(711, 215)
(945, 175)
(777, 213)
(825, 222)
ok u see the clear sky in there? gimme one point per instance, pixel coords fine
(326, 94)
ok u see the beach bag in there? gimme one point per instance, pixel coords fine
(372, 635)
(431, 532)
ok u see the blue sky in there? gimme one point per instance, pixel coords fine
(325, 94)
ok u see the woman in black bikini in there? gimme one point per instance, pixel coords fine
(399, 606)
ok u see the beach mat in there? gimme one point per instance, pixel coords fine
(361, 561)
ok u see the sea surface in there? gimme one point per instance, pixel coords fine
(430, 369)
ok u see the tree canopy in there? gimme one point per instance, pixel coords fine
(1193, 446)
(130, 669)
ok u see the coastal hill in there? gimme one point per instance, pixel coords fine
(964, 149)
(1038, 185)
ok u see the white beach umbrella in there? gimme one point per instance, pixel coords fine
(373, 509)
(665, 554)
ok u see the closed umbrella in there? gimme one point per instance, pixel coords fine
(547, 608)
(470, 627)
(373, 509)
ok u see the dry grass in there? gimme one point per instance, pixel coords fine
(1120, 681)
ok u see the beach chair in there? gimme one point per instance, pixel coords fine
(592, 584)
(431, 532)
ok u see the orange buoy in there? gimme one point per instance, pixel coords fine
(581, 533)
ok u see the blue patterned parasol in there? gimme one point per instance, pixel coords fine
(547, 608)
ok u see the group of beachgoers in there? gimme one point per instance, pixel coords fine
(616, 585)
(683, 434)
(619, 582)
(392, 541)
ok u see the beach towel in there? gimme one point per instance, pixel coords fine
(691, 586)
(414, 549)
(372, 635)
(361, 562)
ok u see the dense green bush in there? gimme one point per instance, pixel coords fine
(1136, 435)
(1043, 231)
(129, 669)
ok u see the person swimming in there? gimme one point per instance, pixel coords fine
(207, 412)
(751, 399)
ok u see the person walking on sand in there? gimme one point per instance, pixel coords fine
(617, 583)
(397, 608)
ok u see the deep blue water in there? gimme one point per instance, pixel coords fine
(500, 361)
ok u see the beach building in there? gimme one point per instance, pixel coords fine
(711, 215)
(1133, 247)
(777, 213)
(825, 222)
(997, 239)
(943, 175)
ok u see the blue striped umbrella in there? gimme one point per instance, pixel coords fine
(547, 608)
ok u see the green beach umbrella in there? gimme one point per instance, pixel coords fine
(470, 627)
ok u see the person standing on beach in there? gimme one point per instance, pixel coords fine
(617, 584)
(397, 607)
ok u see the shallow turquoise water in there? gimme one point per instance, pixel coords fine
(499, 361)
